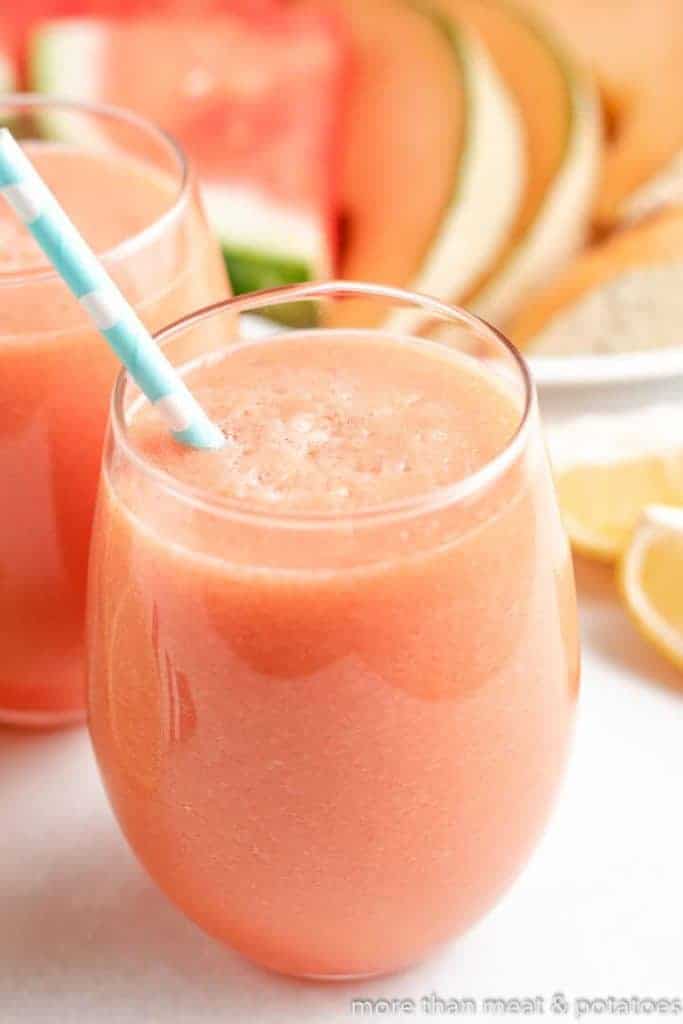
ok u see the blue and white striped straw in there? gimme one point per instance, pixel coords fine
(77, 264)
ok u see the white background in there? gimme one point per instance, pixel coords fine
(85, 937)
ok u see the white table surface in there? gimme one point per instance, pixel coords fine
(85, 937)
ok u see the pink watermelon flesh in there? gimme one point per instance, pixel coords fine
(256, 103)
(21, 15)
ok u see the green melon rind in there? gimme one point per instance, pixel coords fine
(64, 60)
(268, 243)
(488, 185)
(560, 227)
(252, 271)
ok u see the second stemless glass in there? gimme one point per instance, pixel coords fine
(56, 374)
(333, 739)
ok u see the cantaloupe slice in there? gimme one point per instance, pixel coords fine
(665, 189)
(636, 49)
(621, 295)
(561, 121)
(434, 161)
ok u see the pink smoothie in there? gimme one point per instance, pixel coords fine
(337, 422)
(331, 702)
(56, 375)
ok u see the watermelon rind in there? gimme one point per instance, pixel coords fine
(488, 186)
(251, 271)
(559, 228)
(64, 61)
(265, 243)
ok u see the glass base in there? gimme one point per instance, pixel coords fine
(41, 719)
(362, 976)
(324, 977)
(383, 972)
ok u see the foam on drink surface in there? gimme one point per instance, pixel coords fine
(329, 421)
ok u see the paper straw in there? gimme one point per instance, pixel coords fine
(76, 263)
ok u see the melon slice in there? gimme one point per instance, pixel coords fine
(621, 295)
(433, 159)
(561, 121)
(636, 49)
(665, 189)
(256, 105)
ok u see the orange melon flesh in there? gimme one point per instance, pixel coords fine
(636, 50)
(405, 131)
(655, 241)
(665, 189)
(531, 74)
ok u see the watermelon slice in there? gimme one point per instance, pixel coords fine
(21, 18)
(256, 103)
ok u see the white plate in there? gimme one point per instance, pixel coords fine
(632, 367)
(575, 385)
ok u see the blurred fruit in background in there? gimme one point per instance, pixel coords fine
(608, 467)
(560, 122)
(256, 103)
(18, 22)
(466, 148)
(619, 479)
(635, 48)
(622, 294)
(522, 158)
(650, 576)
(433, 164)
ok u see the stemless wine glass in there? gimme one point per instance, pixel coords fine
(333, 738)
(127, 186)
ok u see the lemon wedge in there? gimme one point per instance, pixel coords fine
(651, 579)
(609, 467)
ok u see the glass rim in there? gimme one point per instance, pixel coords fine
(461, 490)
(122, 249)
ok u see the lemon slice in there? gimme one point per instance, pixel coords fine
(609, 467)
(651, 579)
